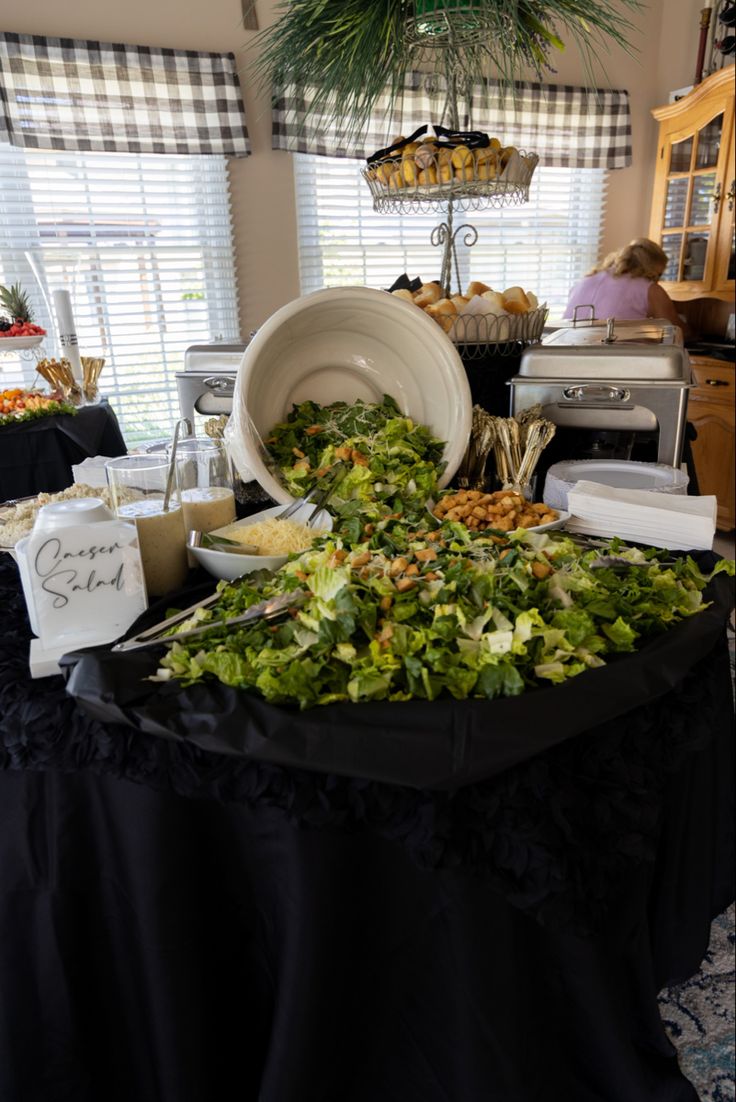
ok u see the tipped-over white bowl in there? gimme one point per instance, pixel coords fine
(342, 344)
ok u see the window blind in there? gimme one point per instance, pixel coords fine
(544, 245)
(143, 243)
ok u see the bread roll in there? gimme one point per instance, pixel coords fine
(476, 288)
(533, 300)
(444, 312)
(486, 170)
(404, 293)
(428, 176)
(467, 172)
(462, 156)
(428, 294)
(425, 155)
(409, 170)
(384, 171)
(459, 302)
(515, 301)
(506, 154)
(495, 300)
(445, 173)
(444, 156)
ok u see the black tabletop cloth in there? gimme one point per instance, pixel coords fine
(443, 744)
(182, 925)
(37, 456)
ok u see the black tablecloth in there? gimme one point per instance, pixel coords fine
(37, 456)
(186, 926)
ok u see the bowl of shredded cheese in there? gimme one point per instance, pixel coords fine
(275, 540)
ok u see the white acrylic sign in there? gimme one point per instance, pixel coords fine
(83, 582)
(87, 583)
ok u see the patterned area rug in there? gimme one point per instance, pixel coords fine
(699, 1017)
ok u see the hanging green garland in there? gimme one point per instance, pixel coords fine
(350, 52)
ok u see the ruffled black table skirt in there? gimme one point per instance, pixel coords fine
(183, 925)
(37, 456)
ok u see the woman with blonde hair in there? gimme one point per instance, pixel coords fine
(625, 286)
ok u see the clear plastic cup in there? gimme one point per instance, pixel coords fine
(206, 483)
(137, 486)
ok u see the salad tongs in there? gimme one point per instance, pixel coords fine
(319, 494)
(269, 609)
(220, 543)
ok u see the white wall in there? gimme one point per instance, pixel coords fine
(666, 36)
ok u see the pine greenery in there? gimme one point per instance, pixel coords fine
(348, 52)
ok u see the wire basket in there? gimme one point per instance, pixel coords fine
(476, 179)
(503, 335)
(453, 23)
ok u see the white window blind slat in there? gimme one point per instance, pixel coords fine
(144, 245)
(544, 245)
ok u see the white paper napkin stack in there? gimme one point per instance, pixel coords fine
(641, 516)
(91, 471)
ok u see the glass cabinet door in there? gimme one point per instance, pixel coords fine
(694, 194)
(690, 202)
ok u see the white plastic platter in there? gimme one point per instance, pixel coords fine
(17, 344)
(343, 344)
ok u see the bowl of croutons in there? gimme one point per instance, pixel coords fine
(499, 511)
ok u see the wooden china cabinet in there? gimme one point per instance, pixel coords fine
(695, 189)
(711, 411)
(693, 220)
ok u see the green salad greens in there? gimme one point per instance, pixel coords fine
(415, 613)
(388, 456)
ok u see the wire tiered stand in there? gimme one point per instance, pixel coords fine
(489, 177)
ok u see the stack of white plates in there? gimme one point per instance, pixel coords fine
(625, 475)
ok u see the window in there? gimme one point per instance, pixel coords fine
(544, 245)
(144, 245)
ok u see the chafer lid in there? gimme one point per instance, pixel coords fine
(582, 354)
(213, 357)
(651, 331)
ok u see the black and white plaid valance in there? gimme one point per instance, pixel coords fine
(64, 93)
(566, 126)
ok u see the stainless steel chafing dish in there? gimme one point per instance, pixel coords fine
(628, 377)
(207, 382)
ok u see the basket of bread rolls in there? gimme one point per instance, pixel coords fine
(481, 316)
(421, 172)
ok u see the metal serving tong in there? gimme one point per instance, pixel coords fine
(220, 543)
(319, 494)
(270, 609)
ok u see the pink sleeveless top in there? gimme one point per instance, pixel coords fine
(624, 297)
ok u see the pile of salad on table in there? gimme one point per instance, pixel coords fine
(401, 604)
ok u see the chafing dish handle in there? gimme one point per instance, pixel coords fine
(594, 391)
(583, 306)
(221, 383)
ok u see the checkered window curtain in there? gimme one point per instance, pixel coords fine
(567, 127)
(72, 95)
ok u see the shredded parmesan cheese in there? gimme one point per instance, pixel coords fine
(272, 536)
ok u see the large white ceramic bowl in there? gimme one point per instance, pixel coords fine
(228, 567)
(342, 344)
